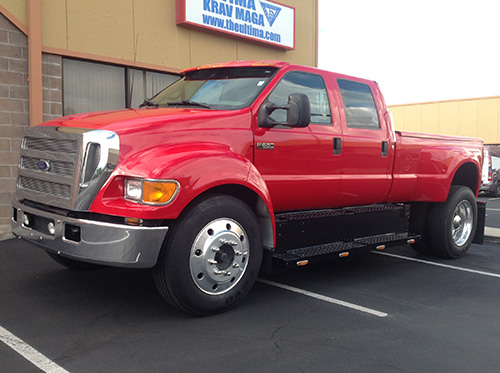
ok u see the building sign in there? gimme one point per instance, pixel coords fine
(260, 20)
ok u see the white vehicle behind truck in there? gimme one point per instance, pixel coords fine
(490, 181)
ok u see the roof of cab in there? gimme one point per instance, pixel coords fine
(271, 63)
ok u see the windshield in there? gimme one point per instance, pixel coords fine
(221, 88)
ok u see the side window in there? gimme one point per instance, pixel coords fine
(311, 85)
(359, 105)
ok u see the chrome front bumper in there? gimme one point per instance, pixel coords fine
(87, 240)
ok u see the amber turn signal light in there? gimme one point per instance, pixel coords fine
(158, 192)
(151, 192)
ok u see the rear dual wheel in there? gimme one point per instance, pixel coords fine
(452, 225)
(211, 257)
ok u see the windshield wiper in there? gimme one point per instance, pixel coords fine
(190, 103)
(148, 102)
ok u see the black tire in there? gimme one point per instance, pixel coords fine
(452, 224)
(496, 193)
(211, 257)
(419, 218)
(72, 264)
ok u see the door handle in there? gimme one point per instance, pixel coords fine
(385, 148)
(337, 145)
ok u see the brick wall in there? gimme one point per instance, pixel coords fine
(52, 86)
(14, 107)
(14, 115)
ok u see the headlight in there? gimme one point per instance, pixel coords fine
(151, 192)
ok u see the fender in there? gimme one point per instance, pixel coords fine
(438, 167)
(198, 167)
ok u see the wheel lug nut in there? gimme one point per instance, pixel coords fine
(222, 272)
(228, 242)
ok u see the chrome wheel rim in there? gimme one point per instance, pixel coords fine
(219, 256)
(461, 224)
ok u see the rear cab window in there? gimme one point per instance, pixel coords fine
(359, 105)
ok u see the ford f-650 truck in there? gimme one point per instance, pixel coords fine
(239, 167)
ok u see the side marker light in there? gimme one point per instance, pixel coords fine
(133, 221)
(302, 263)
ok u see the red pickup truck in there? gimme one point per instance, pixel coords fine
(238, 167)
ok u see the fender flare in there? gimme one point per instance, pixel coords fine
(201, 168)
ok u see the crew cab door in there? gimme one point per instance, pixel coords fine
(300, 165)
(367, 148)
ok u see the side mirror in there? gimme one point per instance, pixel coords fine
(298, 112)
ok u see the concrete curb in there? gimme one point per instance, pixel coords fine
(492, 235)
(492, 232)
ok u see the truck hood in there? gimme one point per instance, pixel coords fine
(128, 121)
(149, 130)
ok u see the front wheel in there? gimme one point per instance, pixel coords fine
(452, 224)
(211, 258)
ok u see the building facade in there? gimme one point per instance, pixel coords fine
(61, 57)
(474, 117)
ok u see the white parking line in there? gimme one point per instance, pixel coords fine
(29, 353)
(324, 298)
(440, 264)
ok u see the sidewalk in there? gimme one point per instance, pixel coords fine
(492, 234)
(5, 232)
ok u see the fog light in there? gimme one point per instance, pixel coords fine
(52, 228)
(26, 220)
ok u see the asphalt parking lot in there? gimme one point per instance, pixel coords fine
(392, 311)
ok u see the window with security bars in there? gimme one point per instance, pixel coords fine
(90, 86)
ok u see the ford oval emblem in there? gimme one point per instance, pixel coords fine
(43, 165)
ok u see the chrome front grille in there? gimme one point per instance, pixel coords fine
(65, 167)
(51, 145)
(47, 187)
(56, 167)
